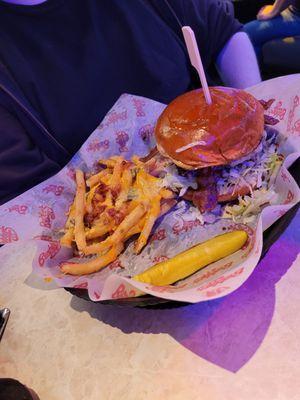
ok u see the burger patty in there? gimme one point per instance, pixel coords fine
(206, 199)
(206, 196)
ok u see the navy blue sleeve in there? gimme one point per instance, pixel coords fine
(221, 24)
(22, 164)
(212, 21)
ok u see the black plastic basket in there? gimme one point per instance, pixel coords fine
(269, 237)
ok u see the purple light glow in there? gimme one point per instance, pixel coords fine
(227, 331)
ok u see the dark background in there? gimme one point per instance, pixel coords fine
(279, 58)
(246, 10)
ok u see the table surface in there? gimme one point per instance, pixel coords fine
(244, 346)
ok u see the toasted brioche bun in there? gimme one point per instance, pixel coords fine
(196, 135)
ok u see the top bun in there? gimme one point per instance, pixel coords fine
(196, 135)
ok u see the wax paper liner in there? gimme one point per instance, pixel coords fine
(128, 129)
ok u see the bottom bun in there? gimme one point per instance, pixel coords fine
(176, 162)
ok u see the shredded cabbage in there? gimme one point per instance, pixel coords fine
(176, 182)
(249, 206)
(258, 171)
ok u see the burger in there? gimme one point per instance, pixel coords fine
(223, 150)
(196, 135)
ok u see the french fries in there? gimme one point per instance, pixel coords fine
(95, 179)
(151, 217)
(117, 173)
(120, 201)
(94, 265)
(126, 182)
(79, 211)
(119, 234)
(99, 230)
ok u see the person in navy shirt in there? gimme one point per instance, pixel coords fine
(64, 63)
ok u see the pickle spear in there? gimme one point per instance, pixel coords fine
(186, 263)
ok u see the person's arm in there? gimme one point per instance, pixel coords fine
(237, 63)
(22, 163)
(271, 11)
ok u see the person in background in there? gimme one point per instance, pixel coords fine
(64, 63)
(280, 20)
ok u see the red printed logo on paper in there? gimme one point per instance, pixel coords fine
(115, 264)
(159, 259)
(212, 272)
(52, 250)
(279, 213)
(169, 289)
(114, 117)
(158, 235)
(97, 295)
(289, 198)
(121, 139)
(139, 107)
(217, 291)
(44, 237)
(71, 173)
(278, 111)
(96, 145)
(8, 235)
(46, 216)
(122, 293)
(221, 279)
(241, 227)
(181, 286)
(290, 127)
(159, 289)
(20, 209)
(82, 285)
(185, 226)
(284, 176)
(146, 132)
(297, 126)
(55, 189)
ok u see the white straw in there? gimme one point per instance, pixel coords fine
(195, 58)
